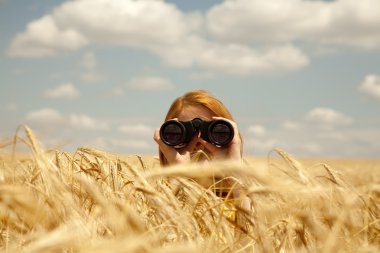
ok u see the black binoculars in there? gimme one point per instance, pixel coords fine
(179, 133)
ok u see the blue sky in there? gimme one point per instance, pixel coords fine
(303, 76)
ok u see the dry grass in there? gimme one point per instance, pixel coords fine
(93, 201)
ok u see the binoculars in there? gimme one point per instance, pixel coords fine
(179, 133)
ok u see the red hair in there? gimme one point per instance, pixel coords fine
(196, 98)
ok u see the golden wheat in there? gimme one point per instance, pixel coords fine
(94, 201)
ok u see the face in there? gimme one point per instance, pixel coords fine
(191, 112)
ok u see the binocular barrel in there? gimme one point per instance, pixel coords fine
(179, 133)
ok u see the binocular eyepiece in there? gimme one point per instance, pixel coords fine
(179, 133)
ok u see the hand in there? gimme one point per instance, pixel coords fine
(230, 152)
(182, 155)
(176, 155)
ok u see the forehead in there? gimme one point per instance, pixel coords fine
(195, 111)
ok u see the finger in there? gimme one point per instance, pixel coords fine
(156, 135)
(209, 146)
(168, 151)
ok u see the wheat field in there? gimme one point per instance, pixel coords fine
(95, 201)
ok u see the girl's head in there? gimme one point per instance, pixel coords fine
(193, 104)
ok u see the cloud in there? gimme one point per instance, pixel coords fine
(241, 37)
(138, 129)
(45, 115)
(232, 58)
(183, 53)
(243, 60)
(260, 146)
(157, 26)
(77, 121)
(44, 38)
(63, 91)
(91, 73)
(258, 140)
(338, 23)
(117, 92)
(370, 87)
(140, 24)
(348, 141)
(88, 61)
(86, 122)
(291, 125)
(150, 83)
(134, 23)
(257, 130)
(328, 117)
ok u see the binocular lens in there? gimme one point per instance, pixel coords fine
(221, 134)
(179, 133)
(172, 134)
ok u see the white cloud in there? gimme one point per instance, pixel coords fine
(45, 115)
(340, 23)
(261, 146)
(150, 83)
(63, 91)
(43, 38)
(156, 26)
(138, 129)
(328, 117)
(291, 125)
(87, 122)
(88, 61)
(243, 60)
(371, 87)
(184, 53)
(90, 73)
(134, 23)
(183, 39)
(78, 121)
(348, 141)
(231, 58)
(257, 130)
(117, 92)
(143, 24)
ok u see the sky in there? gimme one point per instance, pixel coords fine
(299, 75)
